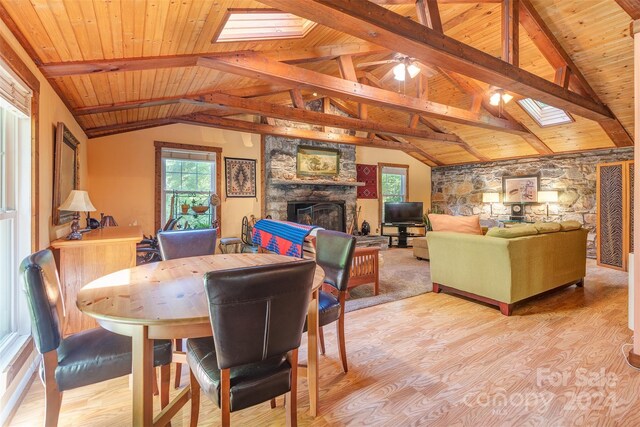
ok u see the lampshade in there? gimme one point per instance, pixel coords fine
(78, 200)
(399, 72)
(547, 196)
(490, 197)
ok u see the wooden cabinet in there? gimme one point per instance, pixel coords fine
(614, 198)
(100, 252)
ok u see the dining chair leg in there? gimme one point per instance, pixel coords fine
(273, 403)
(178, 347)
(225, 397)
(195, 399)
(165, 381)
(321, 340)
(291, 398)
(156, 390)
(340, 332)
(53, 396)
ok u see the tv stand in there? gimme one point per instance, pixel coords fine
(402, 233)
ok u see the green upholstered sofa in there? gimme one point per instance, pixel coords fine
(503, 271)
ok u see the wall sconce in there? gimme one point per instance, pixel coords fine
(548, 197)
(491, 198)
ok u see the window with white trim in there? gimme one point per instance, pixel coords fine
(393, 185)
(15, 208)
(188, 181)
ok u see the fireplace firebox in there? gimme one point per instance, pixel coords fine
(329, 215)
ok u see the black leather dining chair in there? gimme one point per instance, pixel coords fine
(184, 244)
(88, 357)
(334, 253)
(257, 315)
(187, 243)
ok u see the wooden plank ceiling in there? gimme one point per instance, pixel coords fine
(123, 65)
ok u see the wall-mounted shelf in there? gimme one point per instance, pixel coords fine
(316, 182)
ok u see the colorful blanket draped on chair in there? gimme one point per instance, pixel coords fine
(281, 237)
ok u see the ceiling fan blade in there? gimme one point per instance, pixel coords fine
(373, 63)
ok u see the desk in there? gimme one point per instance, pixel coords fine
(101, 251)
(166, 300)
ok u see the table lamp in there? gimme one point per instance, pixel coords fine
(491, 198)
(77, 201)
(547, 197)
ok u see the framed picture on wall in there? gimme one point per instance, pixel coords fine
(240, 177)
(315, 161)
(520, 189)
(65, 172)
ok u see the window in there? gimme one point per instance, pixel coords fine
(393, 185)
(15, 209)
(545, 115)
(261, 24)
(189, 177)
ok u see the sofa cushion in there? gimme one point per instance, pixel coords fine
(512, 232)
(456, 224)
(570, 225)
(547, 227)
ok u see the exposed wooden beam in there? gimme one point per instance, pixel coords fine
(249, 91)
(394, 2)
(557, 56)
(261, 128)
(293, 56)
(259, 67)
(510, 35)
(472, 88)
(376, 24)
(127, 127)
(428, 14)
(254, 106)
(422, 91)
(563, 75)
(347, 70)
(632, 7)
(296, 98)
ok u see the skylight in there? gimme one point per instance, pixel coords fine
(261, 24)
(545, 115)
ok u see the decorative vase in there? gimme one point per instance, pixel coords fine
(366, 228)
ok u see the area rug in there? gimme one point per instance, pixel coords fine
(401, 276)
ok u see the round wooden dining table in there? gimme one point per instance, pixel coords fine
(166, 300)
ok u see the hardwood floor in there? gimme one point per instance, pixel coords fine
(438, 359)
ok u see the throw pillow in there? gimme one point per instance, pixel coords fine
(547, 227)
(512, 232)
(570, 225)
(456, 224)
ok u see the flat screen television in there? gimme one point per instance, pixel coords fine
(403, 213)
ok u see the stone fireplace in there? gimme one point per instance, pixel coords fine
(328, 215)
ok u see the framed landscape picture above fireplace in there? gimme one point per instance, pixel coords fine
(520, 189)
(315, 161)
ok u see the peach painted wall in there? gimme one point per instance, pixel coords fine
(52, 110)
(419, 181)
(122, 172)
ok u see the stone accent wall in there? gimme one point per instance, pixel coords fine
(458, 189)
(280, 164)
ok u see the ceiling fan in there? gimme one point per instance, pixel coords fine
(405, 67)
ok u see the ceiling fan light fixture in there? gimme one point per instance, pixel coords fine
(506, 97)
(413, 70)
(495, 99)
(399, 72)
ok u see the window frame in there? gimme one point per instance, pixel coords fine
(381, 167)
(159, 165)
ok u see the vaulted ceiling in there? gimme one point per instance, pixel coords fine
(125, 65)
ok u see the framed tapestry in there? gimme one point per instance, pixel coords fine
(240, 177)
(65, 172)
(368, 174)
(520, 189)
(315, 161)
